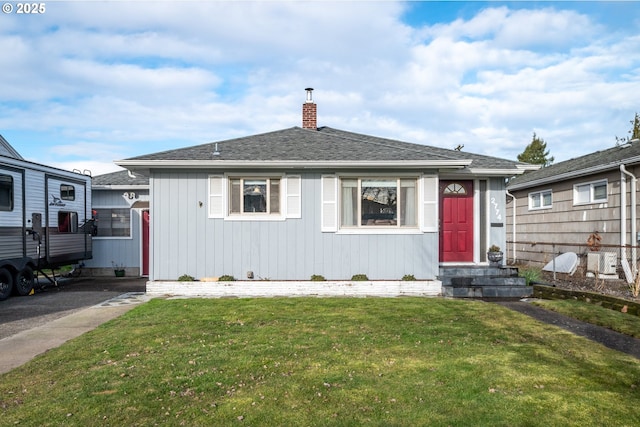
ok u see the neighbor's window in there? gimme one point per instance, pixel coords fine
(378, 202)
(591, 192)
(540, 200)
(67, 222)
(67, 192)
(6, 193)
(254, 196)
(114, 222)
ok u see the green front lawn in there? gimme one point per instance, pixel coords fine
(324, 361)
(595, 314)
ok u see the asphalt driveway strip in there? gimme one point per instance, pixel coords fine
(604, 336)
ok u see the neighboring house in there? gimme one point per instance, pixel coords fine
(292, 203)
(121, 208)
(566, 202)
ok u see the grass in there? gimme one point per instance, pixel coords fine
(324, 361)
(595, 314)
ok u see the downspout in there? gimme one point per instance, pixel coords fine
(623, 221)
(513, 231)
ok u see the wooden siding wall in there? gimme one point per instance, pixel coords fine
(120, 250)
(186, 241)
(565, 223)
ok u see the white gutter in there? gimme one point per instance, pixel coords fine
(299, 164)
(623, 221)
(513, 232)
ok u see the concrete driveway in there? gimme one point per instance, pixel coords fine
(34, 324)
(18, 314)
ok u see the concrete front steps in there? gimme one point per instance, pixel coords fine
(483, 282)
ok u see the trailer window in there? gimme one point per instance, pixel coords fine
(6, 193)
(67, 192)
(67, 222)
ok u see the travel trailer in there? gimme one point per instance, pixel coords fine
(45, 221)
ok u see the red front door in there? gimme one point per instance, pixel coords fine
(145, 243)
(456, 214)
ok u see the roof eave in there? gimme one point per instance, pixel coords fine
(120, 187)
(297, 164)
(574, 174)
(496, 172)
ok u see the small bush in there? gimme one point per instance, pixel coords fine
(408, 278)
(186, 278)
(226, 278)
(317, 278)
(359, 277)
(531, 274)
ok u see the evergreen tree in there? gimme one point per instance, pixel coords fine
(634, 132)
(536, 153)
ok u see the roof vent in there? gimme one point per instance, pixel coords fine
(215, 150)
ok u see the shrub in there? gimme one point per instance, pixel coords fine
(186, 278)
(359, 277)
(226, 278)
(531, 274)
(317, 278)
(408, 278)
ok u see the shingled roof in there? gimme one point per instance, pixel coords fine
(318, 148)
(121, 178)
(589, 164)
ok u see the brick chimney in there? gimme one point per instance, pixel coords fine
(309, 112)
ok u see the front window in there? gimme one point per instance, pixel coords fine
(114, 222)
(67, 192)
(67, 222)
(591, 192)
(378, 202)
(254, 196)
(6, 193)
(540, 200)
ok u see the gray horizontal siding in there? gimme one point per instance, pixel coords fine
(186, 241)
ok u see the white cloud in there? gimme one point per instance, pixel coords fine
(141, 77)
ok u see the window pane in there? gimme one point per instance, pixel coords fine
(67, 222)
(120, 222)
(113, 222)
(546, 198)
(583, 193)
(6, 193)
(274, 196)
(255, 193)
(67, 192)
(600, 191)
(235, 196)
(408, 202)
(349, 202)
(535, 200)
(379, 202)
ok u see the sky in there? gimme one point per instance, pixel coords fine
(84, 83)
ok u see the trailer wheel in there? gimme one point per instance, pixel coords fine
(6, 284)
(24, 281)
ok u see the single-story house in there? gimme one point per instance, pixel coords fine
(120, 207)
(303, 201)
(567, 203)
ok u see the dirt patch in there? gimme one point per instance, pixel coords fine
(579, 282)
